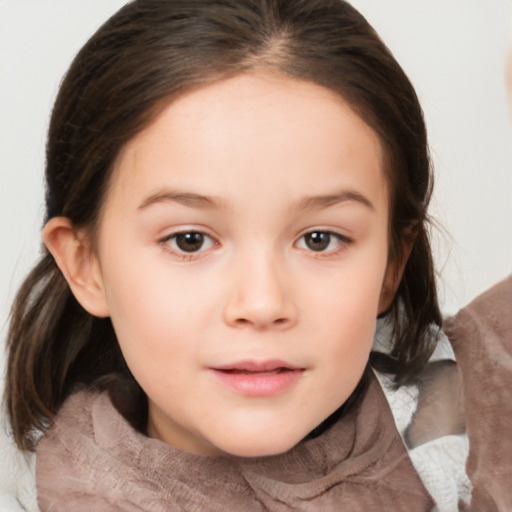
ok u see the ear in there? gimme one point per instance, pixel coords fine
(394, 272)
(78, 263)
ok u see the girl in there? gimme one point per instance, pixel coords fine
(235, 191)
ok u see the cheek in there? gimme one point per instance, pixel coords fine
(349, 292)
(146, 305)
(343, 307)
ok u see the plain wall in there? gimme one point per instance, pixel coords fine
(454, 51)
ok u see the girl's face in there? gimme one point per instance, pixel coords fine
(242, 256)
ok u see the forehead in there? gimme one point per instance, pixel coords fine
(253, 127)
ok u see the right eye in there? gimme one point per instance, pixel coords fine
(189, 242)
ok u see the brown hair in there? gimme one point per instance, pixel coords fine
(145, 55)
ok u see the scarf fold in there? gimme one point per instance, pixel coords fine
(92, 459)
(481, 335)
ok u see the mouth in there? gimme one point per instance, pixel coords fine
(253, 372)
(257, 367)
(254, 378)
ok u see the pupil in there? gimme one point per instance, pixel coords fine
(318, 241)
(189, 242)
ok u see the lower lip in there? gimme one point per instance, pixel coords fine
(259, 384)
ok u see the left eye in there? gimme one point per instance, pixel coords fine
(320, 241)
(190, 241)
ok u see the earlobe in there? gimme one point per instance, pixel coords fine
(78, 264)
(389, 288)
(393, 275)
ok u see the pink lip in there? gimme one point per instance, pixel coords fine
(253, 378)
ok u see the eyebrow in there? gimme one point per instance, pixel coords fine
(324, 201)
(194, 200)
(185, 198)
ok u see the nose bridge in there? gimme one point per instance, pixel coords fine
(260, 293)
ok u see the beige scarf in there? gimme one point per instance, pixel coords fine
(93, 460)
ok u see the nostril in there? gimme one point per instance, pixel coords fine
(242, 322)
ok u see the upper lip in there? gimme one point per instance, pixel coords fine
(257, 366)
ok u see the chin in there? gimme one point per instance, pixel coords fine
(258, 447)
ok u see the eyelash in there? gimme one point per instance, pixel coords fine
(342, 241)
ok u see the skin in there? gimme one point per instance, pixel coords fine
(255, 163)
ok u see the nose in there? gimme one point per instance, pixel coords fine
(260, 295)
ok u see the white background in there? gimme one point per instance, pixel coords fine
(454, 51)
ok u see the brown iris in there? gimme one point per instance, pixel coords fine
(189, 242)
(317, 240)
